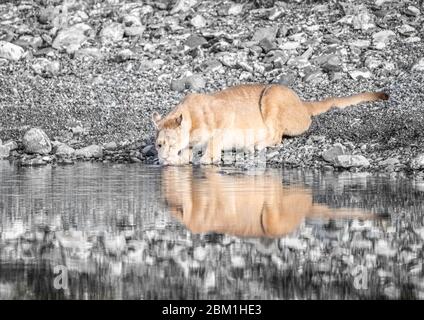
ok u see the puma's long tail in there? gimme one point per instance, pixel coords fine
(317, 107)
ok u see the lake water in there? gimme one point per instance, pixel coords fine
(97, 231)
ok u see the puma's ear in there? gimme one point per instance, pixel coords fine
(179, 120)
(156, 118)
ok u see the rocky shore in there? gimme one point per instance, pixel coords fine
(80, 79)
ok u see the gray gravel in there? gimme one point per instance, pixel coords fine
(130, 59)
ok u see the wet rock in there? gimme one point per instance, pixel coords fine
(4, 152)
(418, 66)
(381, 38)
(64, 150)
(70, 39)
(198, 21)
(93, 151)
(46, 68)
(36, 141)
(418, 162)
(332, 153)
(351, 161)
(112, 32)
(12, 145)
(10, 51)
(34, 162)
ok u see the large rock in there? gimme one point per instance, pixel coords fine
(93, 151)
(36, 141)
(10, 51)
(351, 161)
(70, 39)
(336, 150)
(112, 32)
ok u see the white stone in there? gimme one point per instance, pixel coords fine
(349, 161)
(10, 51)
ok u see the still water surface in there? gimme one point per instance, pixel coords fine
(146, 232)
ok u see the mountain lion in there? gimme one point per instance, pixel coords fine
(250, 117)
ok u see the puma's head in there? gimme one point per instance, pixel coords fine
(171, 138)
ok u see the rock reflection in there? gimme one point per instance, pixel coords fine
(246, 205)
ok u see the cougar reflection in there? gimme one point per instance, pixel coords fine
(206, 200)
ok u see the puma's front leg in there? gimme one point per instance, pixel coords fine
(186, 155)
(212, 154)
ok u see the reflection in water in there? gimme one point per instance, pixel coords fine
(145, 232)
(255, 205)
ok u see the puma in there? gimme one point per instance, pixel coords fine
(250, 117)
(206, 200)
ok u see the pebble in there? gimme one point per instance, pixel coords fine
(70, 39)
(4, 152)
(360, 73)
(417, 163)
(46, 68)
(381, 38)
(235, 9)
(418, 66)
(10, 51)
(64, 150)
(112, 32)
(198, 21)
